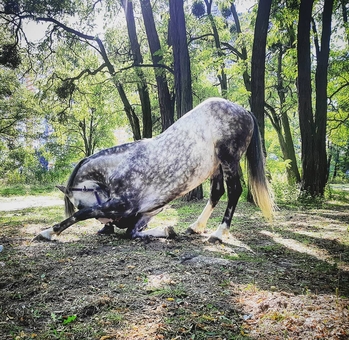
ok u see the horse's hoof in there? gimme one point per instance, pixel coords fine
(106, 230)
(171, 234)
(41, 237)
(214, 239)
(190, 231)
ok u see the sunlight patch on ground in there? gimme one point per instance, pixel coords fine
(274, 314)
(154, 282)
(320, 254)
(74, 233)
(167, 217)
(330, 234)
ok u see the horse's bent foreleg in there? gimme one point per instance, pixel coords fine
(217, 191)
(111, 209)
(234, 191)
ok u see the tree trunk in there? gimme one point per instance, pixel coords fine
(138, 60)
(165, 98)
(313, 129)
(258, 68)
(281, 125)
(258, 63)
(293, 174)
(306, 121)
(182, 72)
(345, 16)
(321, 96)
(130, 113)
(222, 77)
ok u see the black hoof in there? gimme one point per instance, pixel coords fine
(190, 231)
(171, 233)
(40, 238)
(214, 239)
(106, 230)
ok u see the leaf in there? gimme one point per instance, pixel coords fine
(69, 319)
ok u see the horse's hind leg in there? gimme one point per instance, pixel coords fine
(234, 191)
(217, 191)
(138, 230)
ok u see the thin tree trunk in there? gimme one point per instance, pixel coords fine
(306, 121)
(293, 174)
(313, 128)
(178, 40)
(138, 60)
(321, 96)
(258, 63)
(182, 72)
(165, 99)
(222, 77)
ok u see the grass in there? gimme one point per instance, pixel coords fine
(25, 190)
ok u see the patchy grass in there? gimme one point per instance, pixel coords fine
(285, 280)
(25, 190)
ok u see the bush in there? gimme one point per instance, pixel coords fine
(285, 193)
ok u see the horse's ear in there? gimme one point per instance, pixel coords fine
(61, 188)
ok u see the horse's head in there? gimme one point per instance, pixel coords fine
(83, 195)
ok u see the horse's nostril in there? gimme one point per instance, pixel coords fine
(80, 206)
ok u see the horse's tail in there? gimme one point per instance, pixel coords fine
(258, 183)
(69, 206)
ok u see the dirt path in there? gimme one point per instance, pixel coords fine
(20, 203)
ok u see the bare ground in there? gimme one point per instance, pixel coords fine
(288, 280)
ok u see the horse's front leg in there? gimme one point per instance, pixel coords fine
(112, 209)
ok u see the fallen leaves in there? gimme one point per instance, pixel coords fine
(301, 317)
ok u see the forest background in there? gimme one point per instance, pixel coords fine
(105, 72)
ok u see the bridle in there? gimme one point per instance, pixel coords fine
(95, 191)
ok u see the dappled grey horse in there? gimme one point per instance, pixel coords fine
(126, 185)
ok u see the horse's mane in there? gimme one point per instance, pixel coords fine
(73, 174)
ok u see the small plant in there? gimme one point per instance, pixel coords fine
(69, 319)
(168, 292)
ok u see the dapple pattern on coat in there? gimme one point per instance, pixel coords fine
(128, 184)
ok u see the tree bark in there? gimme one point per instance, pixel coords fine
(258, 63)
(182, 72)
(313, 127)
(138, 60)
(222, 77)
(321, 95)
(306, 121)
(166, 101)
(287, 146)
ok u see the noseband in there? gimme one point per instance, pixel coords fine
(95, 191)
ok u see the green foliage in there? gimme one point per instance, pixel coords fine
(285, 194)
(198, 8)
(10, 56)
(79, 102)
